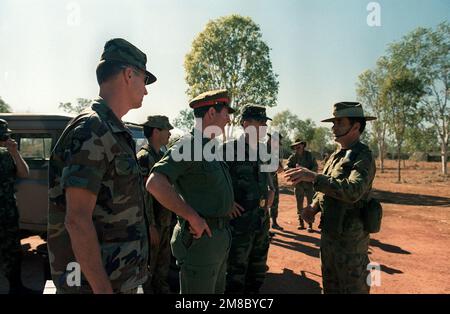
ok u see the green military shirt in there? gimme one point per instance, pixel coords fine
(204, 185)
(156, 213)
(344, 185)
(306, 160)
(96, 152)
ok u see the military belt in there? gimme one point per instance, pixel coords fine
(253, 204)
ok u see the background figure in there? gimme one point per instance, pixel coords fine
(274, 140)
(12, 166)
(157, 131)
(302, 158)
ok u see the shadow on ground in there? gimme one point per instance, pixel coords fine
(388, 247)
(289, 282)
(411, 199)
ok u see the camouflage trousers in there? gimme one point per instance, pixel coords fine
(344, 260)
(203, 262)
(301, 190)
(247, 261)
(159, 264)
(276, 200)
(10, 248)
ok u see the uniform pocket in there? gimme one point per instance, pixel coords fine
(125, 165)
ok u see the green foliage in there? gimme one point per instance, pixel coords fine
(184, 120)
(82, 103)
(4, 107)
(230, 53)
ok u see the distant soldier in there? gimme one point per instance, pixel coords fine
(12, 166)
(157, 131)
(302, 158)
(247, 261)
(199, 191)
(96, 191)
(343, 190)
(273, 143)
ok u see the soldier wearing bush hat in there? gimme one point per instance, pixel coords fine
(343, 196)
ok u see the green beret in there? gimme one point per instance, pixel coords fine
(120, 50)
(211, 98)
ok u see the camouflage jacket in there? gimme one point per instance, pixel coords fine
(250, 185)
(8, 179)
(306, 160)
(96, 152)
(344, 186)
(156, 213)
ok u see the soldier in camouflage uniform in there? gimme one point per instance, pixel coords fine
(96, 191)
(157, 131)
(247, 262)
(12, 166)
(274, 142)
(342, 193)
(302, 158)
(199, 191)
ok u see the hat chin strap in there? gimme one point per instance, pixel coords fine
(342, 135)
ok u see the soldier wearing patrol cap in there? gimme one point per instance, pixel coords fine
(12, 166)
(96, 192)
(342, 195)
(157, 131)
(199, 191)
(303, 158)
(254, 193)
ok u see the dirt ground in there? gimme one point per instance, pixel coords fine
(413, 247)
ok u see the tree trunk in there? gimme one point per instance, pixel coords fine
(381, 152)
(398, 165)
(444, 157)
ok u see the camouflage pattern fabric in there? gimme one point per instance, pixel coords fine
(160, 218)
(10, 248)
(341, 192)
(303, 189)
(250, 232)
(96, 152)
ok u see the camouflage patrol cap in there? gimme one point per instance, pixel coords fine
(160, 122)
(120, 50)
(348, 109)
(211, 98)
(254, 112)
(4, 127)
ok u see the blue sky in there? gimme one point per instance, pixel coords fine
(49, 48)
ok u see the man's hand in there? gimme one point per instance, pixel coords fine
(154, 236)
(198, 225)
(308, 213)
(237, 210)
(300, 174)
(11, 146)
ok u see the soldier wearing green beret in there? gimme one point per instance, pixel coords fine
(342, 194)
(303, 158)
(96, 191)
(157, 131)
(199, 191)
(253, 191)
(12, 166)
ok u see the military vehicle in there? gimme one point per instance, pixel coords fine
(36, 135)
